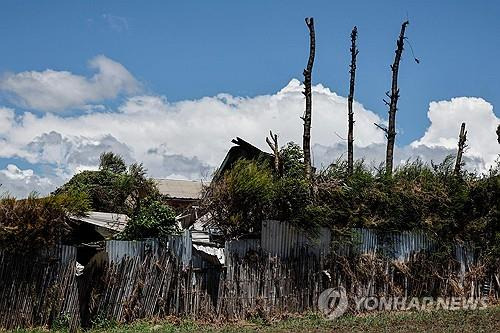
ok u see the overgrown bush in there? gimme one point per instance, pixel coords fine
(241, 198)
(154, 219)
(418, 195)
(36, 223)
(114, 188)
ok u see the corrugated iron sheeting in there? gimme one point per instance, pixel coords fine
(66, 253)
(397, 245)
(284, 240)
(239, 248)
(63, 253)
(181, 246)
(117, 250)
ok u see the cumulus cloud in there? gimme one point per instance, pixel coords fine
(72, 152)
(52, 90)
(188, 139)
(374, 155)
(19, 183)
(481, 122)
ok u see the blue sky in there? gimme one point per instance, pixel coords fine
(193, 49)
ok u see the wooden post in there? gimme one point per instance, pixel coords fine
(350, 113)
(461, 146)
(391, 130)
(306, 143)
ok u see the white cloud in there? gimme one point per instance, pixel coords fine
(194, 132)
(188, 139)
(52, 90)
(481, 122)
(17, 182)
(13, 172)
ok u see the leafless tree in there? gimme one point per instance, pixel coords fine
(498, 133)
(461, 146)
(390, 131)
(350, 113)
(306, 143)
(272, 142)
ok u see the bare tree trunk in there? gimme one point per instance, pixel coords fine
(461, 146)
(498, 133)
(352, 71)
(306, 143)
(391, 130)
(273, 144)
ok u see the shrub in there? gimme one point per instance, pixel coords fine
(242, 198)
(428, 197)
(154, 219)
(113, 188)
(35, 223)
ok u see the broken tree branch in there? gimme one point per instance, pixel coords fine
(350, 99)
(306, 143)
(381, 127)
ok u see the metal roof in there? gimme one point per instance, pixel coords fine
(111, 221)
(180, 189)
(241, 150)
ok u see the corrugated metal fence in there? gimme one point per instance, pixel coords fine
(39, 290)
(283, 271)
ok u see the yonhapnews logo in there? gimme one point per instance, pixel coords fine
(335, 302)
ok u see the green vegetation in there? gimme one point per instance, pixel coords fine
(154, 219)
(34, 223)
(115, 188)
(485, 320)
(421, 196)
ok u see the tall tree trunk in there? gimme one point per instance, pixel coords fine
(350, 99)
(273, 144)
(498, 133)
(306, 143)
(391, 130)
(461, 146)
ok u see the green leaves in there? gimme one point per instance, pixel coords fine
(416, 196)
(154, 219)
(111, 162)
(113, 189)
(242, 198)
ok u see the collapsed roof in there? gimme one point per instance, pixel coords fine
(242, 150)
